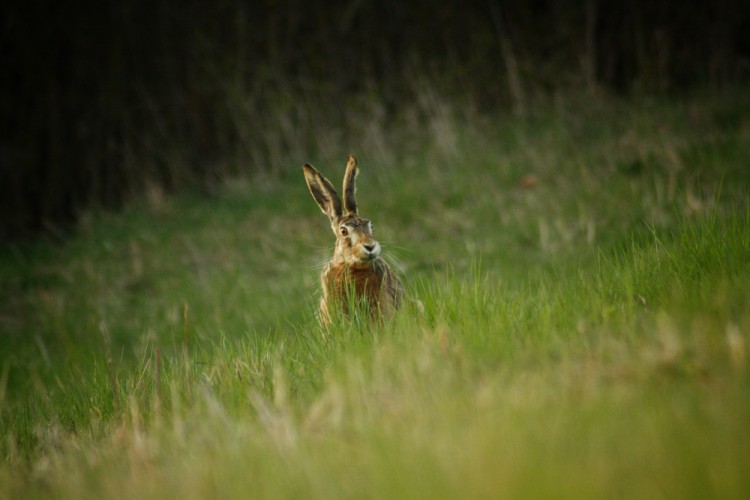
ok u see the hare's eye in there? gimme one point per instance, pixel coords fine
(344, 231)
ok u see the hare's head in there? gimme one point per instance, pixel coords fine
(355, 244)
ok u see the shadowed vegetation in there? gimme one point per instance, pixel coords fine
(102, 100)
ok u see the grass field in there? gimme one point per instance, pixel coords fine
(585, 276)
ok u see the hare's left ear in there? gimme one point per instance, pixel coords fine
(323, 193)
(350, 188)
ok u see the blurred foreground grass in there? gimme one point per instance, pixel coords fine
(585, 272)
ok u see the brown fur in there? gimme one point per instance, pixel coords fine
(375, 284)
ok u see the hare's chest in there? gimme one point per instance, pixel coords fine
(344, 282)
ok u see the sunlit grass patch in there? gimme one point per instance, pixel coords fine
(581, 329)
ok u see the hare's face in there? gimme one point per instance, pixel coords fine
(355, 242)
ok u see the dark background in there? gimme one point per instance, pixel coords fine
(101, 99)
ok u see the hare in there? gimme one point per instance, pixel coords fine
(356, 270)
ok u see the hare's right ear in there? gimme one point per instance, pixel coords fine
(323, 193)
(350, 188)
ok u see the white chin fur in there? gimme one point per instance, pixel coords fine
(376, 251)
(363, 256)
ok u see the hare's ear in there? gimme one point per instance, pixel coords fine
(322, 190)
(350, 188)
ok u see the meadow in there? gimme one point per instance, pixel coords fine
(584, 272)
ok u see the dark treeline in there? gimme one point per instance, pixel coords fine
(101, 99)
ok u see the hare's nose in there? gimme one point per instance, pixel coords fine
(369, 248)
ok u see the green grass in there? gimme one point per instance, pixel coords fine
(582, 337)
